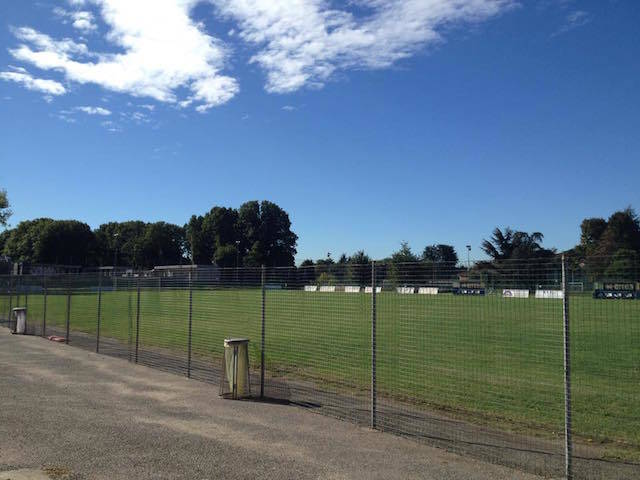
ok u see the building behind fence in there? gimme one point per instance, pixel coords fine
(533, 364)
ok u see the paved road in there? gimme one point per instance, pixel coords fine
(103, 418)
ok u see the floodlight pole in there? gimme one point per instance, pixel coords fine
(568, 447)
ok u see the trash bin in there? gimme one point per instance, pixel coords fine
(235, 381)
(20, 320)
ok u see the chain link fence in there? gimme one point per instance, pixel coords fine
(533, 364)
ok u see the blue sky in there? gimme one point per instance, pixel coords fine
(370, 122)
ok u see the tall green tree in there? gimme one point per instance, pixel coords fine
(5, 211)
(162, 244)
(624, 265)
(359, 268)
(306, 272)
(604, 244)
(404, 254)
(515, 245)
(4, 236)
(404, 268)
(440, 253)
(65, 242)
(265, 235)
(121, 243)
(622, 232)
(200, 242)
(591, 230)
(20, 246)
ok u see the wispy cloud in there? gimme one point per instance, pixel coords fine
(94, 110)
(305, 43)
(575, 19)
(111, 126)
(289, 108)
(49, 87)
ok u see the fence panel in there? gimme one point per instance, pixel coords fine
(225, 304)
(117, 316)
(467, 366)
(84, 311)
(605, 361)
(58, 288)
(465, 358)
(318, 343)
(162, 323)
(6, 294)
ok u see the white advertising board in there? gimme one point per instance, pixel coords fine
(406, 290)
(512, 293)
(549, 294)
(428, 290)
(310, 288)
(351, 289)
(328, 288)
(370, 289)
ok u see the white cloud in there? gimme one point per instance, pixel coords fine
(289, 108)
(82, 20)
(162, 50)
(50, 87)
(304, 42)
(94, 110)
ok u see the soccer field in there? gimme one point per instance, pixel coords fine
(491, 360)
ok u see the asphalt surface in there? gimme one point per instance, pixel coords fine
(98, 417)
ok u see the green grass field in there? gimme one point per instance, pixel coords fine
(491, 360)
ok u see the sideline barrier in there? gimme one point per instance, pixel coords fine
(406, 290)
(428, 290)
(513, 293)
(557, 294)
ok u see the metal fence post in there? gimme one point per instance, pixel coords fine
(568, 446)
(374, 386)
(9, 317)
(66, 338)
(137, 320)
(262, 334)
(99, 312)
(18, 283)
(44, 307)
(190, 325)
(129, 317)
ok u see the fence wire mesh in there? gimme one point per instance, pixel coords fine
(466, 358)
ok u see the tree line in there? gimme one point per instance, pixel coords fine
(259, 233)
(256, 233)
